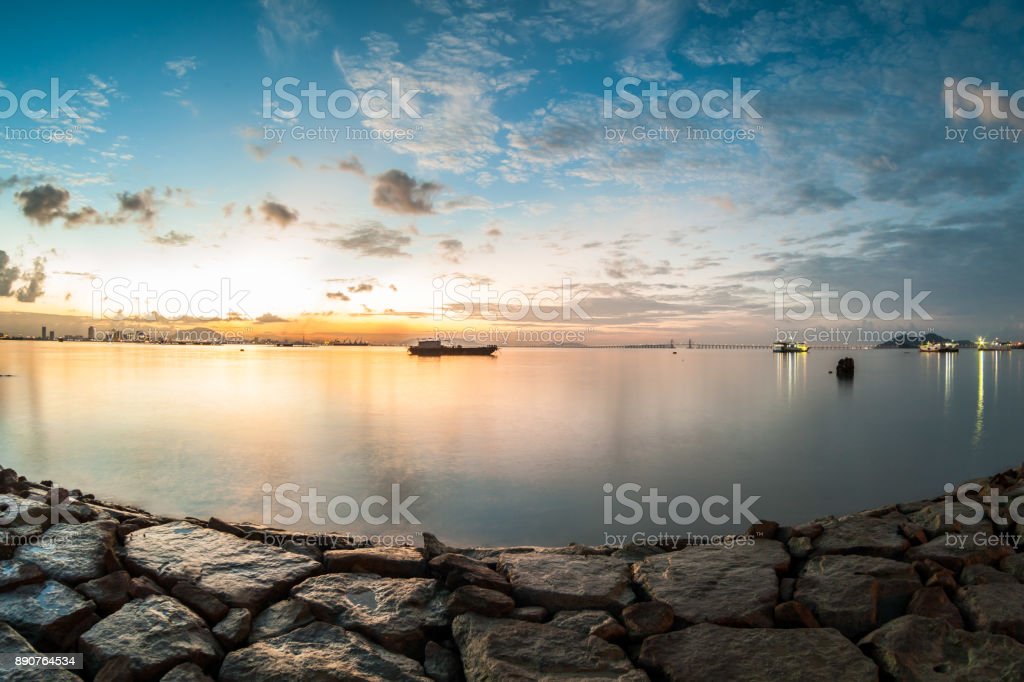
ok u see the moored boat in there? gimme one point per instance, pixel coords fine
(434, 348)
(939, 347)
(789, 347)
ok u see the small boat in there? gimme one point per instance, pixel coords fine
(982, 344)
(939, 347)
(433, 348)
(789, 347)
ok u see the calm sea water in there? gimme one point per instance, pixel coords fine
(511, 449)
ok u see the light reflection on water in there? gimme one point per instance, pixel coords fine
(512, 449)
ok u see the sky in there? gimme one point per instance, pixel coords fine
(515, 166)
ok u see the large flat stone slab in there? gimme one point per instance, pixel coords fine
(956, 550)
(397, 613)
(155, 634)
(568, 582)
(13, 643)
(712, 653)
(868, 535)
(388, 562)
(21, 520)
(240, 573)
(918, 648)
(50, 615)
(74, 553)
(503, 649)
(855, 593)
(714, 584)
(995, 607)
(317, 653)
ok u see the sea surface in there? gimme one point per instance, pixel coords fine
(513, 449)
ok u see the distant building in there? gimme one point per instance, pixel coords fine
(43, 335)
(92, 333)
(52, 334)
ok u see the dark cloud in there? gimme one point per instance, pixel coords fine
(350, 165)
(268, 318)
(494, 232)
(452, 250)
(278, 214)
(138, 205)
(338, 296)
(372, 239)
(44, 203)
(8, 275)
(362, 288)
(398, 192)
(172, 238)
(34, 288)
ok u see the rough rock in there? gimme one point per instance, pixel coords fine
(645, 618)
(74, 553)
(117, 669)
(155, 634)
(280, 618)
(995, 607)
(932, 602)
(587, 623)
(240, 573)
(855, 593)
(234, 628)
(21, 520)
(441, 664)
(932, 519)
(983, 574)
(713, 653)
(502, 649)
(15, 573)
(793, 614)
(918, 648)
(1014, 565)
(531, 614)
(397, 613)
(954, 551)
(315, 653)
(13, 643)
(735, 586)
(201, 601)
(472, 599)
(109, 592)
(388, 562)
(141, 587)
(869, 535)
(458, 570)
(186, 672)
(50, 615)
(568, 582)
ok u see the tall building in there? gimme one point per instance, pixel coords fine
(92, 333)
(52, 333)
(43, 335)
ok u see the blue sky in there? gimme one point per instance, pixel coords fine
(511, 179)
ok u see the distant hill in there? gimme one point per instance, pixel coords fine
(905, 342)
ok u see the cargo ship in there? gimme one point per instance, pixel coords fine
(939, 347)
(982, 344)
(434, 348)
(789, 347)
